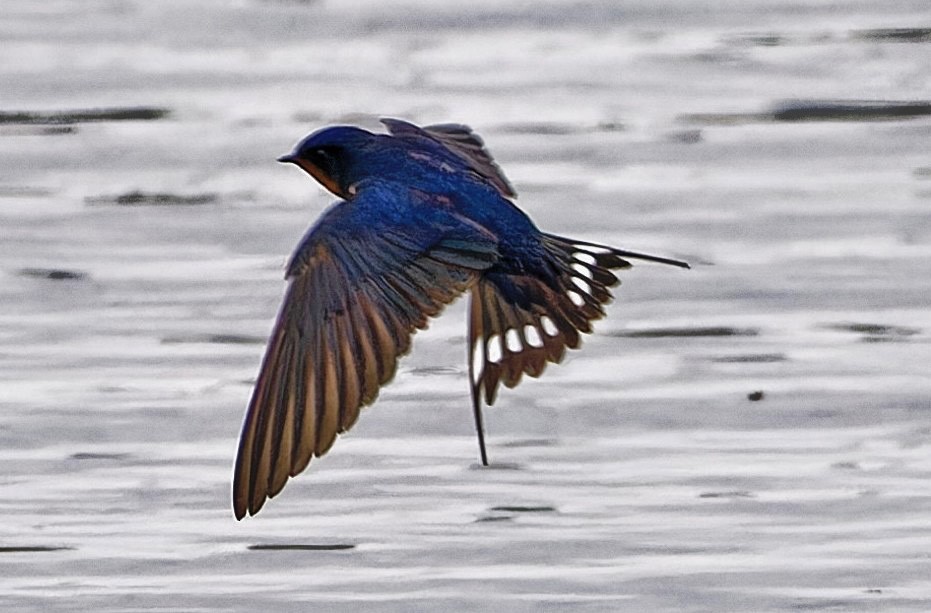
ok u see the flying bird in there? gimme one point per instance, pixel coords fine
(425, 214)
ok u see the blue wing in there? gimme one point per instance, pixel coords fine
(459, 140)
(366, 276)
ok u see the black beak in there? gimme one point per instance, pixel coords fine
(288, 158)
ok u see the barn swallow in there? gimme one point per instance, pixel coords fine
(425, 214)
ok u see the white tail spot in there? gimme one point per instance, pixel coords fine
(512, 341)
(494, 349)
(583, 270)
(478, 361)
(584, 257)
(576, 298)
(548, 326)
(532, 336)
(582, 285)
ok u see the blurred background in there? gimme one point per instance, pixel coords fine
(753, 434)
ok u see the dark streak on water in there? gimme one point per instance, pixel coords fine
(36, 130)
(870, 329)
(82, 456)
(686, 137)
(523, 509)
(504, 466)
(861, 110)
(759, 40)
(140, 198)
(756, 358)
(141, 113)
(550, 129)
(53, 274)
(730, 494)
(24, 191)
(532, 442)
(34, 549)
(302, 547)
(217, 339)
(687, 332)
(818, 110)
(895, 35)
(832, 604)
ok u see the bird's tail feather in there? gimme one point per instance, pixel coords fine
(520, 322)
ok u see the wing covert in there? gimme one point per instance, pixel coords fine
(462, 142)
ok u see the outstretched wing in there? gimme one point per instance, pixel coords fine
(519, 322)
(364, 279)
(463, 143)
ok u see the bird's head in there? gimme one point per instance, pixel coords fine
(327, 156)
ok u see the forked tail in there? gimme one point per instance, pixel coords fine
(520, 322)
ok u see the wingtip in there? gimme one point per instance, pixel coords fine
(239, 512)
(240, 507)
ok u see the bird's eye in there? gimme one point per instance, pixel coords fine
(323, 154)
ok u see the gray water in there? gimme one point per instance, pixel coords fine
(144, 227)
